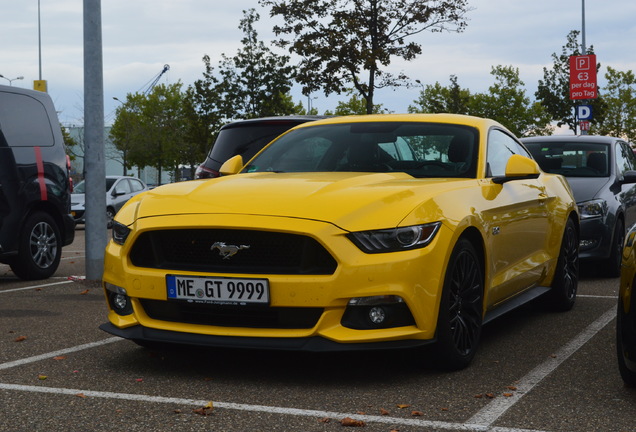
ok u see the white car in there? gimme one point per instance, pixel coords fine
(119, 189)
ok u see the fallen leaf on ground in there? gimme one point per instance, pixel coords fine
(324, 420)
(205, 411)
(383, 412)
(417, 413)
(84, 292)
(402, 406)
(81, 395)
(20, 339)
(490, 395)
(59, 358)
(42, 377)
(512, 388)
(508, 394)
(348, 421)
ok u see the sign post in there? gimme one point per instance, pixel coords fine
(583, 86)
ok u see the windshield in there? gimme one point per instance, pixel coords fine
(571, 159)
(80, 188)
(418, 149)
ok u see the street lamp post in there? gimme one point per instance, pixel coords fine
(11, 79)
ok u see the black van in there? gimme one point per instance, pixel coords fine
(35, 188)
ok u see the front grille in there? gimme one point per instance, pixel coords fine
(268, 252)
(232, 316)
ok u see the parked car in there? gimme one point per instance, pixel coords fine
(349, 233)
(35, 186)
(119, 189)
(626, 313)
(246, 138)
(600, 171)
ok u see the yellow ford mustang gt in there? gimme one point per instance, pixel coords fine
(357, 232)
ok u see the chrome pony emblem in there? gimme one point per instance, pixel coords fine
(227, 251)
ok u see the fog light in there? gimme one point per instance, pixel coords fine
(120, 301)
(377, 315)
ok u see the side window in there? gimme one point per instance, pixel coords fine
(624, 157)
(136, 185)
(500, 147)
(123, 187)
(25, 122)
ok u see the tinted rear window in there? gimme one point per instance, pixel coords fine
(246, 140)
(24, 121)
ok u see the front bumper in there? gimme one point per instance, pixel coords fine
(415, 276)
(596, 239)
(311, 343)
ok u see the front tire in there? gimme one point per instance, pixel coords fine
(613, 264)
(39, 248)
(461, 309)
(626, 345)
(110, 215)
(566, 278)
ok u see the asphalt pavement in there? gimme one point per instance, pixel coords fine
(536, 370)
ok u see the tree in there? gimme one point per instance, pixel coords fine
(438, 99)
(619, 95)
(354, 106)
(255, 82)
(150, 129)
(507, 103)
(554, 90)
(343, 42)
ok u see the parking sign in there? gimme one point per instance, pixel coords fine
(584, 112)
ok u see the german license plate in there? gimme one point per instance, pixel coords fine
(218, 290)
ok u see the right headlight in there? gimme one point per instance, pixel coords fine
(592, 208)
(120, 233)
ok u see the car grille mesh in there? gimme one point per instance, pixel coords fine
(224, 316)
(268, 252)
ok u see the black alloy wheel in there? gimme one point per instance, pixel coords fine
(566, 278)
(626, 343)
(461, 309)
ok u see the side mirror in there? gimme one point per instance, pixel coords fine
(518, 168)
(232, 166)
(629, 177)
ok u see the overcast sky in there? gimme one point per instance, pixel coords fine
(141, 36)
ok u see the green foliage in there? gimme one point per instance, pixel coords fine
(553, 91)
(343, 43)
(437, 99)
(354, 106)
(507, 103)
(253, 83)
(619, 96)
(70, 143)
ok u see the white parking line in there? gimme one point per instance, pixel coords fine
(49, 355)
(481, 422)
(497, 407)
(31, 287)
(265, 409)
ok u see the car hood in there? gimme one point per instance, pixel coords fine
(587, 188)
(352, 201)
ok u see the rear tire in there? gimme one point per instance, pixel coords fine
(39, 248)
(461, 309)
(566, 278)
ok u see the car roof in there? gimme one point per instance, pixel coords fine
(274, 119)
(596, 139)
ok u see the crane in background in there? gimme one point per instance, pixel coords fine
(155, 80)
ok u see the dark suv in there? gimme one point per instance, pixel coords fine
(246, 138)
(35, 188)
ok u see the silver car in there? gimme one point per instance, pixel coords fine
(119, 189)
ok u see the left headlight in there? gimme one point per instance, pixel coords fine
(395, 239)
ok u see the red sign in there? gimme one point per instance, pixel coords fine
(584, 125)
(583, 77)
